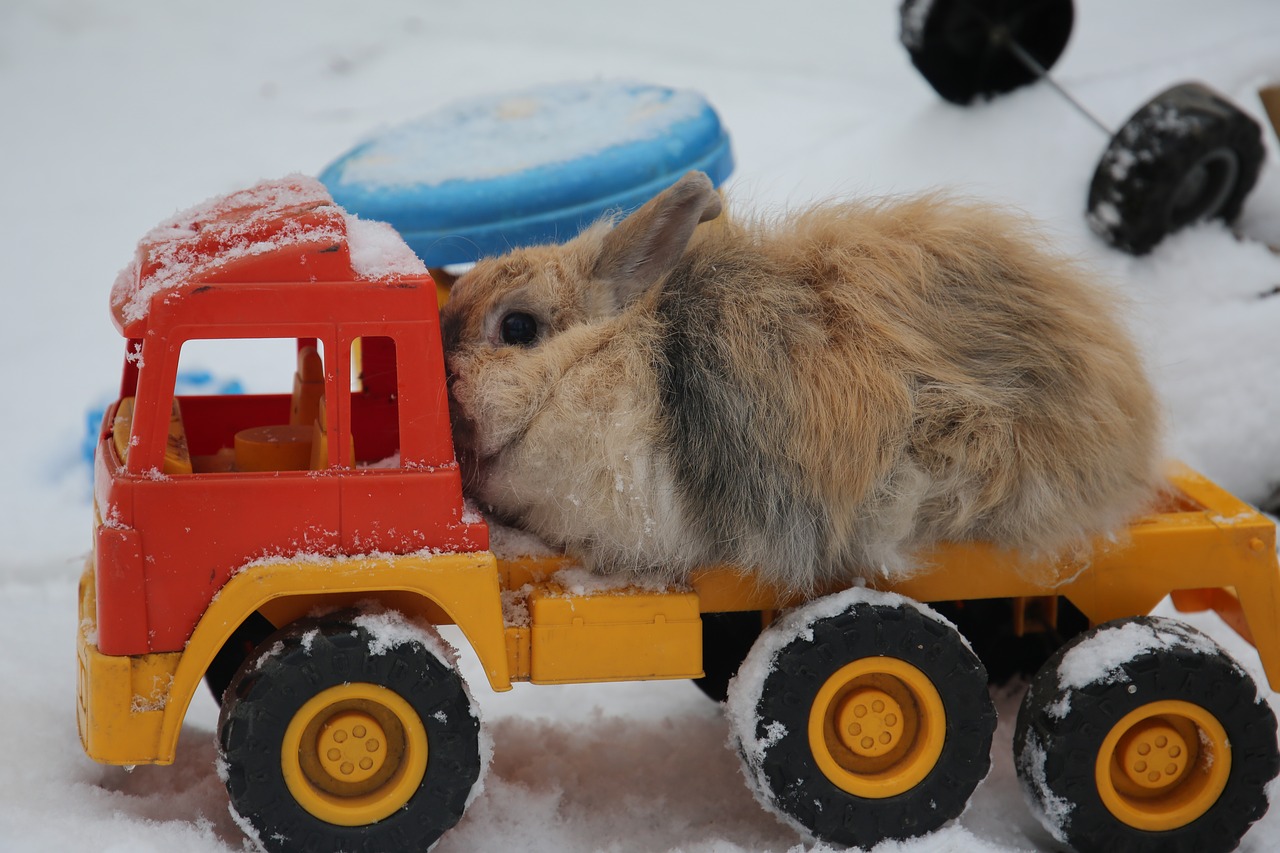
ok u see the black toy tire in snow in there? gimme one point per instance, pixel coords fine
(961, 47)
(1187, 155)
(1085, 746)
(330, 742)
(873, 723)
(726, 640)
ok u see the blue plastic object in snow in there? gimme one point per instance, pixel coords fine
(490, 174)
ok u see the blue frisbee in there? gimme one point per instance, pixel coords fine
(486, 175)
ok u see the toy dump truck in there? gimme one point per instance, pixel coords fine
(296, 551)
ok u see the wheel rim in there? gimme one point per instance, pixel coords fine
(1163, 765)
(1204, 189)
(877, 727)
(354, 754)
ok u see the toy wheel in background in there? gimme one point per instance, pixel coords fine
(332, 742)
(1144, 735)
(726, 640)
(1188, 155)
(961, 46)
(866, 724)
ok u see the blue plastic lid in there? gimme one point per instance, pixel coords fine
(486, 175)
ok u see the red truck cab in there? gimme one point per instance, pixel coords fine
(370, 468)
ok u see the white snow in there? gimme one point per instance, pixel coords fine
(389, 629)
(379, 252)
(115, 115)
(1100, 658)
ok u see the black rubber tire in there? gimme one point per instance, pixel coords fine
(302, 660)
(787, 774)
(242, 643)
(961, 46)
(1186, 156)
(726, 639)
(1060, 732)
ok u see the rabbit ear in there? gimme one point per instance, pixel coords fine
(646, 245)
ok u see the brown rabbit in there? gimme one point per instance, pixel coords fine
(815, 400)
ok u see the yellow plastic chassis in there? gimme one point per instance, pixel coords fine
(1205, 548)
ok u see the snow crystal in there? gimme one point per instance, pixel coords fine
(1059, 710)
(389, 629)
(1122, 160)
(509, 543)
(515, 607)
(249, 830)
(157, 699)
(378, 251)
(471, 513)
(576, 581)
(1238, 518)
(484, 138)
(1054, 811)
(1100, 658)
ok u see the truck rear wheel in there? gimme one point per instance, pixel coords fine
(333, 738)
(863, 717)
(1144, 735)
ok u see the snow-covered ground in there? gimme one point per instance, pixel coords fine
(117, 114)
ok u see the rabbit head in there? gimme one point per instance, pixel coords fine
(539, 343)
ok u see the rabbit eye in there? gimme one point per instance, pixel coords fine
(518, 329)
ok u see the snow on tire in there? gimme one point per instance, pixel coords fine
(1144, 735)
(862, 716)
(1186, 156)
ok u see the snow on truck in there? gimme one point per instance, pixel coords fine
(296, 550)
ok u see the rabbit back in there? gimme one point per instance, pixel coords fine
(840, 389)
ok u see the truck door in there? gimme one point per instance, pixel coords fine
(401, 488)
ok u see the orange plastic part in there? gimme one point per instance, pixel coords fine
(274, 447)
(613, 635)
(354, 754)
(1163, 765)
(877, 727)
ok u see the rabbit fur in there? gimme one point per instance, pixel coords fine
(816, 399)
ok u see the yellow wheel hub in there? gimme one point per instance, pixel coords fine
(354, 754)
(870, 722)
(877, 727)
(1163, 765)
(352, 746)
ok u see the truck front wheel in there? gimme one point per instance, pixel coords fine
(336, 737)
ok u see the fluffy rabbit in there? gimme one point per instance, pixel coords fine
(815, 400)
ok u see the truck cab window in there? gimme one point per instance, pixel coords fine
(375, 402)
(272, 426)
